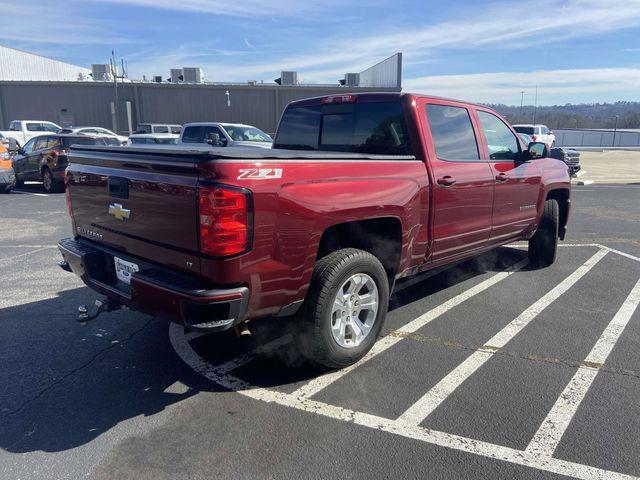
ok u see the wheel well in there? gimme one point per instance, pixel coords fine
(382, 237)
(562, 197)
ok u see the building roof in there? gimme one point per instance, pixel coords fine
(19, 65)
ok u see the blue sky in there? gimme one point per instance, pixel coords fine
(574, 50)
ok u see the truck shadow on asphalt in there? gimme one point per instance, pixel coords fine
(285, 367)
(65, 385)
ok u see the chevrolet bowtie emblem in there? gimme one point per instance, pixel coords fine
(119, 212)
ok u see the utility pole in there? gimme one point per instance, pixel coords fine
(521, 103)
(535, 107)
(615, 129)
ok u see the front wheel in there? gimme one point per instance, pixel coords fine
(345, 308)
(544, 243)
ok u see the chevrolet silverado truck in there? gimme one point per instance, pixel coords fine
(358, 192)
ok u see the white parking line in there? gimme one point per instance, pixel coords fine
(454, 442)
(30, 193)
(548, 436)
(25, 254)
(320, 383)
(420, 410)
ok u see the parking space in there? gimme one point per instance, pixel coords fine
(491, 369)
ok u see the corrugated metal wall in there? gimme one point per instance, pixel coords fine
(88, 103)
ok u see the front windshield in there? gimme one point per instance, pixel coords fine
(246, 134)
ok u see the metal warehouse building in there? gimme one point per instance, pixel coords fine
(92, 102)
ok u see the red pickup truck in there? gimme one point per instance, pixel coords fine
(359, 191)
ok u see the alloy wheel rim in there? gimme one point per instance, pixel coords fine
(47, 180)
(354, 310)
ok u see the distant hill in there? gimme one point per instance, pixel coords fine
(596, 115)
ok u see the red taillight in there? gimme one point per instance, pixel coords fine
(224, 221)
(339, 99)
(66, 191)
(533, 138)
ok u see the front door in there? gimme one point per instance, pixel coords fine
(517, 183)
(463, 182)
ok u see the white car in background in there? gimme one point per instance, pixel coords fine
(96, 132)
(153, 139)
(539, 133)
(224, 135)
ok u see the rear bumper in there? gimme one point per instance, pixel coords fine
(155, 290)
(7, 177)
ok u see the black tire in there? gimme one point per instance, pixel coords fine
(17, 182)
(51, 185)
(544, 243)
(330, 273)
(6, 189)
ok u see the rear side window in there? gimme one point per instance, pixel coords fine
(452, 132)
(144, 128)
(527, 130)
(160, 129)
(192, 135)
(373, 127)
(501, 142)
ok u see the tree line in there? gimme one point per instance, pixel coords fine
(594, 115)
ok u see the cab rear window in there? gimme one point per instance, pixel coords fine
(68, 141)
(372, 127)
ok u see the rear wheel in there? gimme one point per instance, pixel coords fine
(345, 308)
(51, 185)
(544, 243)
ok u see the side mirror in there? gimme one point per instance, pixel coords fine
(538, 150)
(213, 139)
(13, 146)
(216, 140)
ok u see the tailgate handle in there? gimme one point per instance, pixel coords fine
(118, 187)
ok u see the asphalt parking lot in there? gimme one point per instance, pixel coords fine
(490, 370)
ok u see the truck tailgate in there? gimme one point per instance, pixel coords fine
(141, 203)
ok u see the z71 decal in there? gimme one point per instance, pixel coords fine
(260, 173)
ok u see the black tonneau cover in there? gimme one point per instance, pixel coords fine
(205, 153)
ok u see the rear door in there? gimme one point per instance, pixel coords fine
(463, 181)
(517, 183)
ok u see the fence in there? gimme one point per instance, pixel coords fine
(597, 138)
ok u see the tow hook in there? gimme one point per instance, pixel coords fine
(99, 306)
(242, 330)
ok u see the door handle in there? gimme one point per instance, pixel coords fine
(502, 177)
(446, 181)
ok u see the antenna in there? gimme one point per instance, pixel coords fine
(535, 107)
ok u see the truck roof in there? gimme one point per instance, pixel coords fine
(382, 96)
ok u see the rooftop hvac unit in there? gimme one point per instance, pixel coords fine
(101, 72)
(193, 75)
(253, 83)
(176, 75)
(157, 78)
(351, 79)
(289, 78)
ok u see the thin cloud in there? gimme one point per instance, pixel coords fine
(235, 8)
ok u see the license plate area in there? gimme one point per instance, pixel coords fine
(125, 269)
